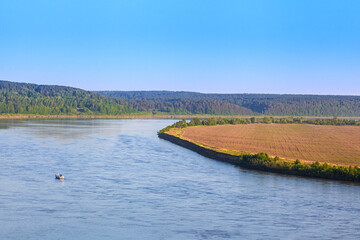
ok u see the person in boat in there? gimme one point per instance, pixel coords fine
(59, 176)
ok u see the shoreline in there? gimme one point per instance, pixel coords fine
(14, 117)
(148, 116)
(265, 163)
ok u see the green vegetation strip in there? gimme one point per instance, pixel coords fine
(185, 103)
(262, 161)
(268, 120)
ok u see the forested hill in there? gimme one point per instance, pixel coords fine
(24, 98)
(244, 104)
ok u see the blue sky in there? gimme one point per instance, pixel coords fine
(233, 46)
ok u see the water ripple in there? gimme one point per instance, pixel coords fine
(122, 182)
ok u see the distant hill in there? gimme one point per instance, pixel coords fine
(243, 104)
(25, 98)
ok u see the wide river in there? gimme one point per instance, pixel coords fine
(123, 182)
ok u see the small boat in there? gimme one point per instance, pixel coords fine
(59, 176)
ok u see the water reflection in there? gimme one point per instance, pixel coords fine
(71, 129)
(4, 124)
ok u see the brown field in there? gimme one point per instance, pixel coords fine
(331, 144)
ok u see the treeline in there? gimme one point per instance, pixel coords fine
(268, 120)
(262, 161)
(23, 98)
(209, 107)
(239, 104)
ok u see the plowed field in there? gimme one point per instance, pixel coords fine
(331, 144)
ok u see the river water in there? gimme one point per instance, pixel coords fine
(123, 182)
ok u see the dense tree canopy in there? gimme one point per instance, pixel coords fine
(22, 98)
(242, 104)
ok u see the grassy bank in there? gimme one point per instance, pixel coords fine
(85, 116)
(262, 161)
(36, 116)
(149, 115)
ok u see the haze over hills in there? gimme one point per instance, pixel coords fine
(25, 98)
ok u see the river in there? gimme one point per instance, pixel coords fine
(123, 182)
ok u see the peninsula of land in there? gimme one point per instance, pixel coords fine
(330, 150)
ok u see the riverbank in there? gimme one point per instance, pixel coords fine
(148, 116)
(263, 162)
(80, 117)
(127, 116)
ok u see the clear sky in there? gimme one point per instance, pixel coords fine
(223, 46)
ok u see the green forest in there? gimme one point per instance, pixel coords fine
(25, 98)
(240, 104)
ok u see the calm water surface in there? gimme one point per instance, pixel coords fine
(123, 182)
